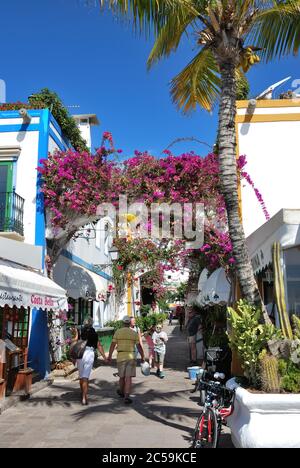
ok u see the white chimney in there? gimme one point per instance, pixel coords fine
(84, 123)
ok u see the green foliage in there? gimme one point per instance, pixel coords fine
(62, 116)
(151, 320)
(272, 27)
(163, 304)
(214, 327)
(144, 323)
(290, 376)
(249, 337)
(145, 309)
(180, 293)
(242, 87)
(115, 324)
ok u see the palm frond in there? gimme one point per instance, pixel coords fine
(277, 30)
(170, 35)
(149, 13)
(198, 83)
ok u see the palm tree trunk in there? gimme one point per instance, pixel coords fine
(229, 183)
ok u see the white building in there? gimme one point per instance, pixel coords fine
(24, 141)
(84, 123)
(269, 136)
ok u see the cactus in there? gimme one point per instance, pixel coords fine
(269, 375)
(296, 323)
(280, 293)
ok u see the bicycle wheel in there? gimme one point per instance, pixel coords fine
(206, 430)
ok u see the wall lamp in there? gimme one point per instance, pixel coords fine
(25, 116)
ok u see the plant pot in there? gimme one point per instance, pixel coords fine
(264, 420)
(23, 381)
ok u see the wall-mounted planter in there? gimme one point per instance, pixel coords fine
(264, 420)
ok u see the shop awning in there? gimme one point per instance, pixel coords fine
(216, 290)
(202, 280)
(284, 228)
(78, 281)
(22, 287)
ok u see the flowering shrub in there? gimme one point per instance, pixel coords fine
(21, 105)
(244, 175)
(75, 183)
(138, 254)
(217, 250)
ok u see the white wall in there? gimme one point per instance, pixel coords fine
(90, 246)
(85, 130)
(273, 155)
(26, 174)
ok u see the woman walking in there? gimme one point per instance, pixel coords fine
(85, 364)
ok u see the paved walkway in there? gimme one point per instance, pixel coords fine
(162, 415)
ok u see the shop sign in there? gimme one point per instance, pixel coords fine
(13, 298)
(16, 298)
(42, 301)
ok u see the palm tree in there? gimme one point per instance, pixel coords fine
(228, 34)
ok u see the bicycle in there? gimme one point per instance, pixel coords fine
(218, 405)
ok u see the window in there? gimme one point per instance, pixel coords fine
(81, 309)
(14, 325)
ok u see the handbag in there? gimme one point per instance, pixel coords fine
(77, 349)
(145, 368)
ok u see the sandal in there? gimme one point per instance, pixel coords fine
(127, 400)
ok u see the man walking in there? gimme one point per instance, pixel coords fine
(125, 339)
(195, 337)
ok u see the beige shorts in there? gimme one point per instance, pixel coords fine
(127, 368)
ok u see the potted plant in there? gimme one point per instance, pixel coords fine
(267, 404)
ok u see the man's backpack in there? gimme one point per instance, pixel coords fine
(77, 349)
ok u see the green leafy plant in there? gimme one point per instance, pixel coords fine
(144, 323)
(145, 309)
(249, 337)
(290, 376)
(66, 122)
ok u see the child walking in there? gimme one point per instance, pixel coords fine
(159, 338)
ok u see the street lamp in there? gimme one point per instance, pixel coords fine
(114, 254)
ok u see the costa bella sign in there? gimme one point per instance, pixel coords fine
(23, 299)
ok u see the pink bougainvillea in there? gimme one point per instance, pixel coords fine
(75, 183)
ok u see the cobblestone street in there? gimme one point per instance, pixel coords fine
(162, 415)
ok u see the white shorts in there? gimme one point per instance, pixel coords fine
(85, 365)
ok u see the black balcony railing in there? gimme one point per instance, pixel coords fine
(11, 212)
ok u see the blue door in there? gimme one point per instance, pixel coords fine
(38, 353)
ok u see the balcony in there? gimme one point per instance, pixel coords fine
(11, 215)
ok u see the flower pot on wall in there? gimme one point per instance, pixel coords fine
(264, 420)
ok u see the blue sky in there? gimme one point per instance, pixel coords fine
(94, 60)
